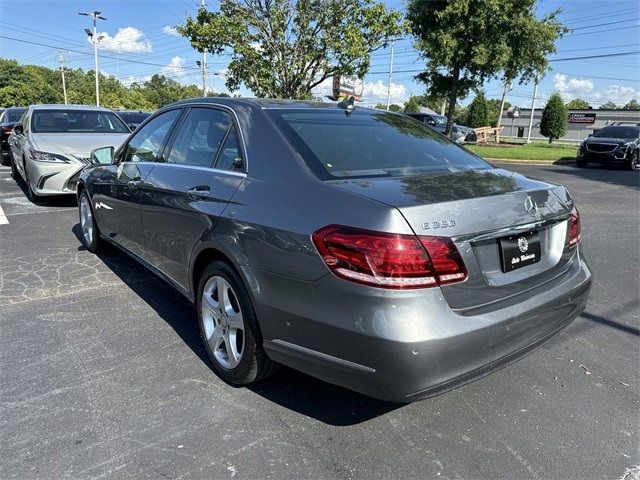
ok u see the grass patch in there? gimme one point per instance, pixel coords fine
(532, 151)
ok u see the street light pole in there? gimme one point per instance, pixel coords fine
(390, 74)
(533, 106)
(94, 38)
(64, 84)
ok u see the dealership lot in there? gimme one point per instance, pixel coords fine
(102, 374)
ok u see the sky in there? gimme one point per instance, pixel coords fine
(140, 40)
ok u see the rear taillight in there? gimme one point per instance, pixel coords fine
(7, 129)
(574, 228)
(389, 260)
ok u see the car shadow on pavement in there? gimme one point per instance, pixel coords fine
(291, 389)
(614, 174)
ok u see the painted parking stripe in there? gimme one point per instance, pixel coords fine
(3, 218)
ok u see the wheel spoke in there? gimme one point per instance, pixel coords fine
(235, 321)
(210, 305)
(232, 348)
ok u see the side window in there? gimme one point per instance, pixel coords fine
(147, 143)
(230, 157)
(199, 137)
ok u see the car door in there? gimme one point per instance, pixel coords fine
(116, 200)
(184, 196)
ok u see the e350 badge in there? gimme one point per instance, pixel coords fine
(438, 225)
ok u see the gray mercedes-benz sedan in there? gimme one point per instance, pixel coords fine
(355, 245)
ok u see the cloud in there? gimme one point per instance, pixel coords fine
(618, 94)
(174, 68)
(169, 30)
(127, 40)
(570, 88)
(131, 79)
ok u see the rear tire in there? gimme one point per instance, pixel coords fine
(14, 170)
(6, 161)
(88, 226)
(229, 328)
(634, 162)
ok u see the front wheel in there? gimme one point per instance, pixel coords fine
(634, 163)
(581, 163)
(88, 226)
(229, 328)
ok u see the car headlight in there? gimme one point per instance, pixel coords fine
(48, 157)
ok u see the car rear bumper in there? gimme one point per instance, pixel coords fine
(405, 346)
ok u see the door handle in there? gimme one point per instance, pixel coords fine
(133, 184)
(199, 192)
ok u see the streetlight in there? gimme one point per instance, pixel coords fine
(95, 39)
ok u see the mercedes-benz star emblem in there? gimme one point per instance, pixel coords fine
(523, 245)
(530, 205)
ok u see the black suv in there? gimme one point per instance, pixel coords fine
(8, 119)
(617, 143)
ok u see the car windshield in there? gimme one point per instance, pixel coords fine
(439, 119)
(370, 143)
(13, 114)
(76, 121)
(619, 132)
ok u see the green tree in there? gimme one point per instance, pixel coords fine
(284, 48)
(554, 118)
(412, 105)
(609, 105)
(392, 107)
(578, 104)
(632, 105)
(468, 41)
(495, 112)
(478, 111)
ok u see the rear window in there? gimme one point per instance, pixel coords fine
(370, 143)
(619, 132)
(133, 117)
(76, 121)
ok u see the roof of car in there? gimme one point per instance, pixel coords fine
(267, 103)
(69, 107)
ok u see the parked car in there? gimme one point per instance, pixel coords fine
(8, 119)
(358, 246)
(437, 122)
(132, 118)
(617, 143)
(462, 134)
(52, 145)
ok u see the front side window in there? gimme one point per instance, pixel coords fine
(76, 121)
(148, 142)
(370, 143)
(199, 138)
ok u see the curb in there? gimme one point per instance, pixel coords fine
(531, 162)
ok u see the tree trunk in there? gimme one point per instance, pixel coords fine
(453, 96)
(550, 140)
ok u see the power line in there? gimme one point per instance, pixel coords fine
(608, 23)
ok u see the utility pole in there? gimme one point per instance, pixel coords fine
(205, 83)
(390, 74)
(95, 39)
(533, 106)
(64, 85)
(507, 88)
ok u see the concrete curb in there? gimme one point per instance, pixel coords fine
(531, 162)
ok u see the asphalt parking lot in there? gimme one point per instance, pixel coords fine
(102, 374)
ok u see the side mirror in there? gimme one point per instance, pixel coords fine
(18, 129)
(132, 126)
(102, 156)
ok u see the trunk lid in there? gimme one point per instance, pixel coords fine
(478, 208)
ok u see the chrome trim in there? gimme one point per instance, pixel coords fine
(197, 167)
(502, 232)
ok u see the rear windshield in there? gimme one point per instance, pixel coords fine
(76, 121)
(133, 117)
(619, 132)
(370, 143)
(13, 114)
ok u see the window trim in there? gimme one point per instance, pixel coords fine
(234, 123)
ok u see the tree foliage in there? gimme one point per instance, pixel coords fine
(284, 48)
(554, 118)
(632, 105)
(609, 105)
(392, 107)
(494, 110)
(478, 111)
(23, 85)
(413, 104)
(578, 104)
(468, 41)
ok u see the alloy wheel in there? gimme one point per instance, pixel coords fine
(86, 220)
(222, 321)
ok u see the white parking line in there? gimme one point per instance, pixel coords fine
(3, 218)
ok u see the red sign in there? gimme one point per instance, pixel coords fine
(587, 118)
